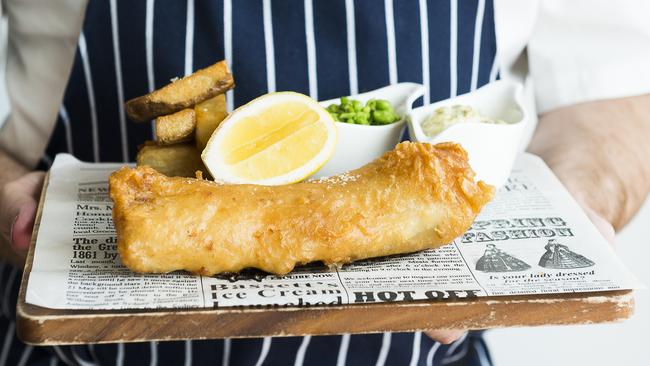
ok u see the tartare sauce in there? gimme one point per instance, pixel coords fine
(446, 116)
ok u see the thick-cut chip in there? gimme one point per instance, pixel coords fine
(183, 93)
(180, 160)
(175, 128)
(209, 115)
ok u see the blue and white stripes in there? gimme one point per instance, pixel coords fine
(321, 48)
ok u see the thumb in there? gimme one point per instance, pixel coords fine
(18, 209)
(21, 230)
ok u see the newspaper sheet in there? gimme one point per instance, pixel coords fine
(532, 239)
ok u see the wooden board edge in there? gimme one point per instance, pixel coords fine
(480, 313)
(41, 326)
(27, 269)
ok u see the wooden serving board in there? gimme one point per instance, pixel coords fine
(42, 326)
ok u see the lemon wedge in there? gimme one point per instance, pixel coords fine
(278, 138)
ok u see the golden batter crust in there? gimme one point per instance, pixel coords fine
(415, 197)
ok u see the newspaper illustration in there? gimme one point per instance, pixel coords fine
(531, 239)
(496, 260)
(561, 257)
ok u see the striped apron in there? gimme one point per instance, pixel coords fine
(322, 48)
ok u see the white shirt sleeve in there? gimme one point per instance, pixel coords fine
(41, 42)
(584, 50)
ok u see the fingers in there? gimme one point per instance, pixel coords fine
(32, 183)
(18, 202)
(445, 336)
(21, 230)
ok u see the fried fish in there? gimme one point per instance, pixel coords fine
(415, 197)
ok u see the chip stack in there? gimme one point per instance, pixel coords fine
(186, 113)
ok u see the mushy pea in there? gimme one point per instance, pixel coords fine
(375, 112)
(446, 116)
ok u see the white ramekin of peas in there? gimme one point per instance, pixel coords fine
(368, 124)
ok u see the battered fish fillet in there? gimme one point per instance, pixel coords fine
(416, 197)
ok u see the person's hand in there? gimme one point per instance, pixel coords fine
(18, 202)
(445, 336)
(602, 225)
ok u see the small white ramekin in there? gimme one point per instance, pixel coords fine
(492, 148)
(359, 144)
